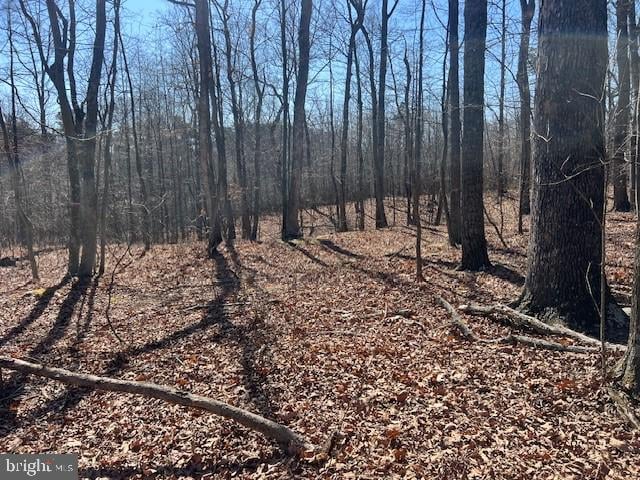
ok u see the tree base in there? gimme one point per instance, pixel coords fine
(582, 317)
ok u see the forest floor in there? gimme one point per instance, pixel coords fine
(329, 333)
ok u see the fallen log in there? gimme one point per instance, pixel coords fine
(468, 334)
(290, 440)
(521, 320)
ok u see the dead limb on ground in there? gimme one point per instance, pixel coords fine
(469, 334)
(290, 440)
(520, 320)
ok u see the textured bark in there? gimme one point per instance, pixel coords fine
(620, 197)
(474, 243)
(292, 441)
(527, 8)
(563, 275)
(292, 226)
(453, 87)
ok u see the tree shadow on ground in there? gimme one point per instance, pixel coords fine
(215, 314)
(308, 254)
(223, 469)
(329, 245)
(12, 388)
(35, 313)
(507, 274)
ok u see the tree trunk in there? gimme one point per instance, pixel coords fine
(89, 197)
(453, 93)
(107, 146)
(528, 9)
(474, 243)
(635, 97)
(500, 187)
(621, 118)
(238, 122)
(257, 151)
(379, 140)
(361, 193)
(291, 224)
(417, 183)
(344, 138)
(146, 218)
(563, 274)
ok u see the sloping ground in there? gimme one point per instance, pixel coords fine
(327, 334)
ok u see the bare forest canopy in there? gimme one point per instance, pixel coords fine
(338, 161)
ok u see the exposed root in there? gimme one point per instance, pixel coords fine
(624, 407)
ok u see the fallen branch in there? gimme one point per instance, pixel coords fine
(624, 407)
(291, 441)
(518, 319)
(468, 334)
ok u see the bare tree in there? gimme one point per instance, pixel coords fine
(474, 243)
(291, 226)
(621, 116)
(107, 147)
(455, 128)
(569, 153)
(527, 8)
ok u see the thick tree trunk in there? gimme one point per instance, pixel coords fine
(528, 9)
(474, 243)
(563, 275)
(454, 133)
(621, 119)
(291, 225)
